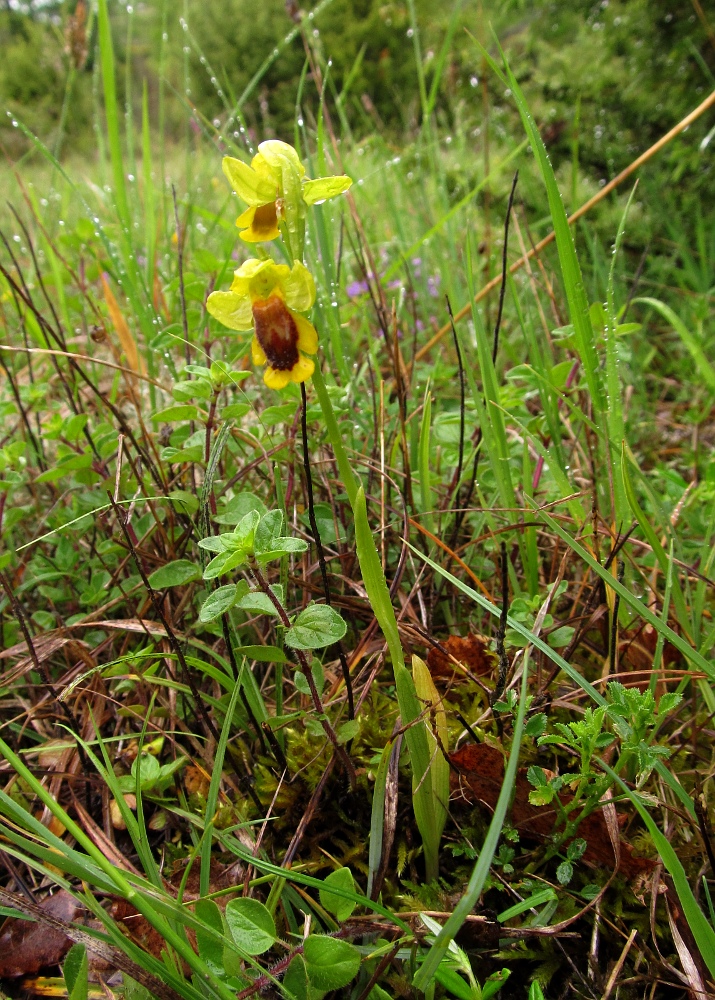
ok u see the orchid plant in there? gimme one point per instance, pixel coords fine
(266, 297)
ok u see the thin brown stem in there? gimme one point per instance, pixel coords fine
(319, 546)
(308, 673)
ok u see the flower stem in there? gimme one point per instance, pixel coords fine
(305, 666)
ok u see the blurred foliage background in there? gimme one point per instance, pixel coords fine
(648, 62)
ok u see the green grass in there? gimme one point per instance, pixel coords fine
(197, 721)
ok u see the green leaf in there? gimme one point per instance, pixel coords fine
(541, 796)
(277, 414)
(319, 625)
(216, 543)
(330, 962)
(234, 411)
(194, 453)
(181, 412)
(149, 770)
(245, 531)
(219, 602)
(269, 526)
(210, 948)
(341, 878)
(222, 563)
(297, 983)
(74, 425)
(184, 501)
(265, 654)
(175, 574)
(561, 636)
(301, 682)
(196, 388)
(564, 873)
(348, 731)
(453, 982)
(282, 546)
(251, 925)
(237, 508)
(536, 726)
(257, 601)
(576, 849)
(75, 972)
(494, 983)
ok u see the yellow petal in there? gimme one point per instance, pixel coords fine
(299, 288)
(249, 185)
(275, 379)
(262, 226)
(251, 267)
(246, 218)
(303, 370)
(233, 310)
(267, 281)
(307, 334)
(245, 274)
(277, 153)
(258, 355)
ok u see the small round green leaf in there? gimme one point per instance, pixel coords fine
(330, 962)
(564, 873)
(175, 574)
(218, 603)
(341, 878)
(251, 925)
(319, 625)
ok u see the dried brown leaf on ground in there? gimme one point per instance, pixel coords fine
(472, 651)
(26, 946)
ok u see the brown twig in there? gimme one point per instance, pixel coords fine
(319, 546)
(308, 673)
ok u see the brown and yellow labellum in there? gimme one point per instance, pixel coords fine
(276, 332)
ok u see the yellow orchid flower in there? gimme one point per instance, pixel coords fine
(269, 298)
(276, 190)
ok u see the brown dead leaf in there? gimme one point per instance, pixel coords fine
(636, 652)
(472, 651)
(129, 344)
(28, 946)
(196, 780)
(481, 769)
